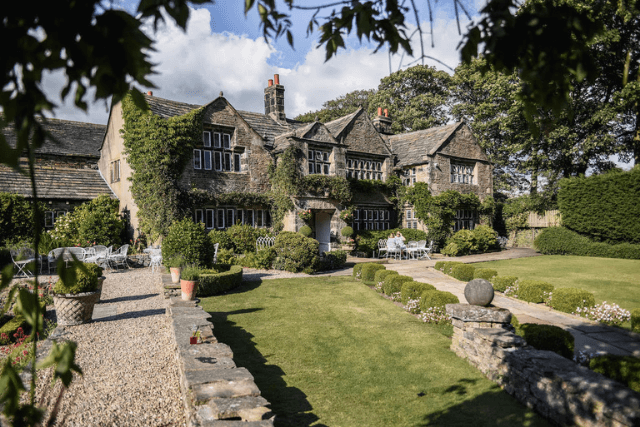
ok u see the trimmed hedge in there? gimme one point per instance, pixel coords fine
(382, 274)
(224, 278)
(435, 298)
(562, 241)
(568, 299)
(533, 290)
(357, 270)
(369, 272)
(85, 282)
(393, 283)
(603, 206)
(332, 260)
(448, 265)
(295, 253)
(413, 290)
(463, 272)
(501, 283)
(635, 320)
(485, 273)
(624, 369)
(187, 243)
(439, 265)
(547, 337)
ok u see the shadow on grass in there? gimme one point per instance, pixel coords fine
(290, 404)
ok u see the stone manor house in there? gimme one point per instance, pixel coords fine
(237, 148)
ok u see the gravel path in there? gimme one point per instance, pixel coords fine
(127, 357)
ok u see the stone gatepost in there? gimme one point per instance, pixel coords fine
(481, 335)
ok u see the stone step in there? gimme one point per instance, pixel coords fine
(247, 408)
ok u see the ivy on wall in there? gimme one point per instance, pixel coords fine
(158, 150)
(284, 177)
(198, 197)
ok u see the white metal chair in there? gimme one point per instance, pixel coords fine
(393, 248)
(100, 256)
(264, 242)
(426, 251)
(21, 259)
(382, 247)
(119, 257)
(413, 249)
(78, 252)
(52, 257)
(156, 259)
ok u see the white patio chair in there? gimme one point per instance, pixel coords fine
(412, 249)
(100, 256)
(52, 257)
(215, 253)
(21, 259)
(393, 248)
(79, 253)
(426, 251)
(382, 247)
(119, 257)
(156, 258)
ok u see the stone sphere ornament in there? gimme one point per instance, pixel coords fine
(479, 292)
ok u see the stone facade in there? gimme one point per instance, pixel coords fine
(559, 389)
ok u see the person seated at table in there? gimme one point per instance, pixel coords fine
(400, 239)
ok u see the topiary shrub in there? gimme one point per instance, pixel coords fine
(624, 369)
(86, 281)
(485, 238)
(221, 279)
(332, 260)
(393, 283)
(501, 283)
(357, 270)
(450, 249)
(464, 241)
(369, 272)
(568, 299)
(534, 290)
(635, 320)
(463, 272)
(448, 265)
(188, 240)
(226, 256)
(305, 230)
(485, 273)
(347, 232)
(382, 274)
(440, 265)
(243, 238)
(547, 337)
(435, 298)
(295, 253)
(413, 290)
(94, 268)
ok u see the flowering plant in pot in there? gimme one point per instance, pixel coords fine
(347, 214)
(348, 244)
(175, 266)
(74, 301)
(189, 282)
(305, 215)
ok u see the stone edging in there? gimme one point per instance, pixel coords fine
(215, 391)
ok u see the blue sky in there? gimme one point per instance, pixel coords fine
(222, 50)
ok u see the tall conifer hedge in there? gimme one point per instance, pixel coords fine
(604, 207)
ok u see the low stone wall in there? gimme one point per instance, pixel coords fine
(559, 389)
(216, 392)
(139, 260)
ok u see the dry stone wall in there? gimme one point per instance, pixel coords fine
(566, 393)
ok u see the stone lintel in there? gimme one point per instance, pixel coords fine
(474, 313)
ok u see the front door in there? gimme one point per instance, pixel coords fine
(323, 230)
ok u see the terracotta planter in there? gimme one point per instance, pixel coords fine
(188, 288)
(348, 248)
(193, 340)
(175, 274)
(75, 309)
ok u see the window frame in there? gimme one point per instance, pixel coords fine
(197, 155)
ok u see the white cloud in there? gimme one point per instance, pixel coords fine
(194, 66)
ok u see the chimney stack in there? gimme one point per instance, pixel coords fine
(383, 123)
(150, 93)
(274, 99)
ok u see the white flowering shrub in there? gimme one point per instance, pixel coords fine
(396, 296)
(413, 306)
(511, 291)
(435, 315)
(609, 314)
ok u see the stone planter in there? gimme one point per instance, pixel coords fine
(188, 288)
(348, 248)
(175, 274)
(75, 309)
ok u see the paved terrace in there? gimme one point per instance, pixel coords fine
(590, 337)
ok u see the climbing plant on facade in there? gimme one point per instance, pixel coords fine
(158, 150)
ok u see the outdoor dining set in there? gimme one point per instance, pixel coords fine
(103, 256)
(412, 250)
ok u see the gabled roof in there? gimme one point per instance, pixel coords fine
(338, 125)
(266, 127)
(166, 108)
(411, 147)
(74, 138)
(67, 184)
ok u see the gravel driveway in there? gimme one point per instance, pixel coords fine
(127, 357)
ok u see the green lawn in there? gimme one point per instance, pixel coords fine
(611, 280)
(332, 352)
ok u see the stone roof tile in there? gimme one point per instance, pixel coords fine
(411, 147)
(69, 184)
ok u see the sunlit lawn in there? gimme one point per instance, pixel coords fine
(611, 280)
(332, 352)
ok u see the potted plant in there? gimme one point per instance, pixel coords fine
(74, 302)
(348, 242)
(175, 266)
(195, 335)
(189, 282)
(305, 215)
(97, 270)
